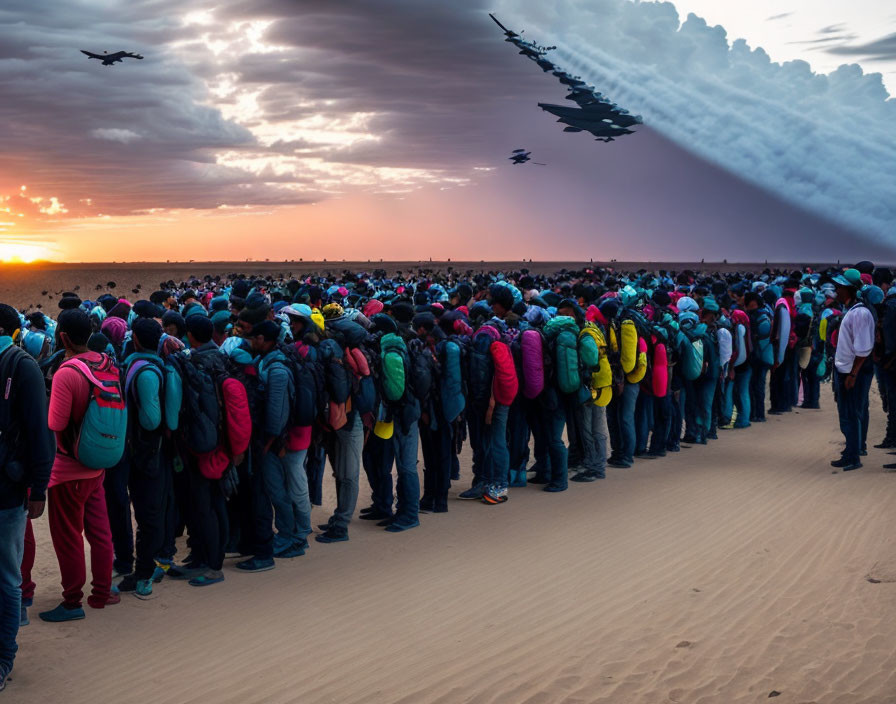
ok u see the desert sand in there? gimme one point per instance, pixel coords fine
(718, 575)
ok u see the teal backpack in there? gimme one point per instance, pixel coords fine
(99, 441)
(394, 361)
(563, 332)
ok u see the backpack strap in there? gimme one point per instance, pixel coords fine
(9, 364)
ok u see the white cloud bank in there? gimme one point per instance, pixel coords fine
(824, 142)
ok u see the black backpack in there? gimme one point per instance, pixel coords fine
(202, 407)
(310, 392)
(10, 430)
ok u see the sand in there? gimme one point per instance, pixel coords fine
(715, 576)
(27, 286)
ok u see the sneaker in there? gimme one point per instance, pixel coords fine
(61, 614)
(586, 476)
(401, 526)
(144, 589)
(185, 571)
(207, 578)
(255, 564)
(842, 462)
(333, 535)
(553, 488)
(292, 551)
(885, 445)
(890, 467)
(23, 617)
(162, 567)
(853, 465)
(128, 583)
(372, 516)
(619, 464)
(473, 493)
(495, 495)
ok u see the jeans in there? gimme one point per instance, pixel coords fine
(758, 378)
(595, 438)
(626, 411)
(851, 405)
(251, 511)
(118, 505)
(888, 381)
(314, 468)
(811, 382)
(77, 509)
(209, 525)
(377, 458)
(553, 422)
(518, 435)
(781, 384)
(286, 485)
(705, 390)
(28, 585)
(407, 482)
(574, 432)
(344, 451)
(436, 444)
(688, 404)
(741, 393)
(12, 548)
(147, 492)
(643, 421)
(496, 460)
(477, 431)
(662, 422)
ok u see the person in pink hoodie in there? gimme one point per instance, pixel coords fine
(77, 501)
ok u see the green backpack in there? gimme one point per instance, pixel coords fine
(563, 333)
(394, 361)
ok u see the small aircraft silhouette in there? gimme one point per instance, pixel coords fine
(521, 156)
(109, 59)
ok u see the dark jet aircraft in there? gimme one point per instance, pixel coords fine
(595, 113)
(521, 156)
(109, 59)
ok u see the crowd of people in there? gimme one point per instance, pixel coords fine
(210, 408)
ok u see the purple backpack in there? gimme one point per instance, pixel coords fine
(532, 350)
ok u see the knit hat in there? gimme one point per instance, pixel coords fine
(200, 327)
(147, 332)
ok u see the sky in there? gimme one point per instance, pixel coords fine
(368, 129)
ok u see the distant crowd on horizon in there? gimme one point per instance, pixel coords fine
(211, 407)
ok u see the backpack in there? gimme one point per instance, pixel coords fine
(10, 446)
(100, 439)
(781, 332)
(659, 378)
(601, 380)
(691, 356)
(361, 364)
(170, 387)
(310, 392)
(424, 373)
(531, 347)
(201, 410)
(628, 346)
(563, 332)
(336, 376)
(395, 365)
(452, 389)
(481, 368)
(505, 382)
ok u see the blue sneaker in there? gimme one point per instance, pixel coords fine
(474, 493)
(254, 564)
(400, 526)
(143, 590)
(61, 614)
(287, 553)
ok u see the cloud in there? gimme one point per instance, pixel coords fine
(781, 16)
(883, 49)
(824, 142)
(115, 134)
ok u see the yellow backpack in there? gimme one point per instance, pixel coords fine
(601, 382)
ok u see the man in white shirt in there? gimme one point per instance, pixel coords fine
(853, 373)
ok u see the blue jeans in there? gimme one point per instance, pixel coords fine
(407, 483)
(286, 484)
(758, 377)
(662, 422)
(644, 420)
(595, 438)
(12, 548)
(851, 407)
(344, 451)
(377, 457)
(553, 422)
(627, 421)
(741, 392)
(496, 457)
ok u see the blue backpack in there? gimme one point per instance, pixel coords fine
(451, 382)
(481, 367)
(100, 439)
(170, 387)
